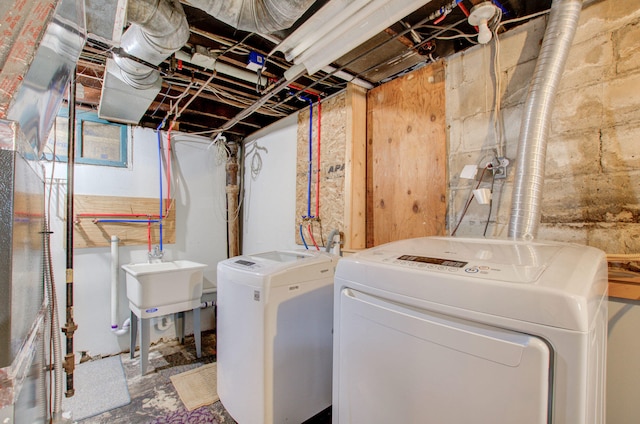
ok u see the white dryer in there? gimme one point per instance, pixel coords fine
(274, 335)
(456, 331)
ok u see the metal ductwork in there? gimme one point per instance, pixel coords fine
(158, 29)
(532, 143)
(261, 16)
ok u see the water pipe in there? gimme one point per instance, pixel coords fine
(160, 177)
(318, 159)
(115, 269)
(313, 240)
(70, 326)
(307, 99)
(99, 221)
(168, 173)
(302, 237)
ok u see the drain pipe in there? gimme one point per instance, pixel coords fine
(115, 269)
(70, 326)
(232, 190)
(532, 143)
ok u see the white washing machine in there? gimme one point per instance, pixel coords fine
(274, 335)
(457, 331)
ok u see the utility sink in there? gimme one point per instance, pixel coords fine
(162, 288)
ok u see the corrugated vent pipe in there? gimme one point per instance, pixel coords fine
(261, 16)
(532, 144)
(158, 29)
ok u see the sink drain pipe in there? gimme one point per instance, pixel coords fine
(115, 269)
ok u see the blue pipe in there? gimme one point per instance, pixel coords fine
(505, 12)
(127, 220)
(303, 97)
(302, 237)
(160, 175)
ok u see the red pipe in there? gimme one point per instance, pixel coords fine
(98, 215)
(318, 156)
(168, 201)
(149, 235)
(465, 11)
(312, 238)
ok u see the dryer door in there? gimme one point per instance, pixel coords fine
(398, 364)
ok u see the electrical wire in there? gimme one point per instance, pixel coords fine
(469, 200)
(497, 114)
(493, 179)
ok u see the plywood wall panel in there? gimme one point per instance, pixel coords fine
(407, 173)
(89, 233)
(330, 213)
(342, 170)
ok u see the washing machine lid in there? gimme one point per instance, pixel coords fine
(280, 267)
(556, 284)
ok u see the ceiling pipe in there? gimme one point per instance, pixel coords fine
(532, 143)
(261, 16)
(159, 28)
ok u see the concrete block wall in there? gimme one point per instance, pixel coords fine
(592, 185)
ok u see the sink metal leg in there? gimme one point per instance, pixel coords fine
(145, 341)
(178, 319)
(196, 331)
(133, 334)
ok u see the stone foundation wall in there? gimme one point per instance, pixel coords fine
(592, 186)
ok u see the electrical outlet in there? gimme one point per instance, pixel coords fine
(499, 169)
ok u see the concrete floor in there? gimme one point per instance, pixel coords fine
(153, 397)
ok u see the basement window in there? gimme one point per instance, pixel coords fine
(98, 142)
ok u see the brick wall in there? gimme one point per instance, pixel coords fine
(592, 186)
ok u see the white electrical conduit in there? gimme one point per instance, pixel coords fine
(115, 269)
(532, 143)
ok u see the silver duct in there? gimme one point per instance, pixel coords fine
(532, 143)
(261, 16)
(159, 28)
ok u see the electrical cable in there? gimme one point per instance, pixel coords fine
(497, 115)
(469, 200)
(493, 179)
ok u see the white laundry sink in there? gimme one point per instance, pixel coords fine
(162, 288)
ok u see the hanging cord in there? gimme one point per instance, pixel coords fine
(469, 200)
(493, 179)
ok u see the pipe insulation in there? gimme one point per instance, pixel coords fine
(261, 16)
(532, 142)
(158, 29)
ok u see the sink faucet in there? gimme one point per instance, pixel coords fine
(156, 255)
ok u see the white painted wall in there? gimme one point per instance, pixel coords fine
(269, 199)
(198, 188)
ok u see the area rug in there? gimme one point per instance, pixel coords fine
(197, 387)
(182, 416)
(100, 386)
